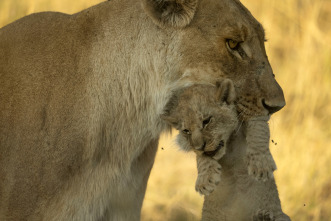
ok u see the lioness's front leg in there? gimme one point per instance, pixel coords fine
(209, 174)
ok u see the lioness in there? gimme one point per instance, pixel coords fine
(81, 97)
(205, 117)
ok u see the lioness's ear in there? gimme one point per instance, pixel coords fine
(226, 92)
(173, 13)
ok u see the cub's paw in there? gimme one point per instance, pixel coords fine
(261, 165)
(263, 215)
(282, 217)
(208, 177)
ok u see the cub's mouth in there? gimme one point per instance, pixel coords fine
(213, 153)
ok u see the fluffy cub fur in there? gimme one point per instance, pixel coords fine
(239, 196)
(205, 117)
(260, 162)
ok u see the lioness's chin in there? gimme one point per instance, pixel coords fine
(246, 112)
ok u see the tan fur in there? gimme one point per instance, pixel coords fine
(205, 117)
(81, 96)
(239, 196)
(171, 13)
(260, 162)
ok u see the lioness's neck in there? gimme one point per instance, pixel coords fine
(144, 88)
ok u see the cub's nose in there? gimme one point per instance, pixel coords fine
(273, 108)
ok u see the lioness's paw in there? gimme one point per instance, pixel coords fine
(261, 165)
(208, 177)
(263, 215)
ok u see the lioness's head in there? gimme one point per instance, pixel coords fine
(205, 117)
(212, 39)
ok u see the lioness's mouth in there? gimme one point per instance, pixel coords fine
(213, 153)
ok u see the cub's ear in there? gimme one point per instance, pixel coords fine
(170, 120)
(170, 13)
(226, 92)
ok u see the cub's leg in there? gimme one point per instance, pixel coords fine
(209, 174)
(282, 217)
(263, 215)
(267, 215)
(260, 162)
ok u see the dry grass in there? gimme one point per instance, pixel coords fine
(299, 48)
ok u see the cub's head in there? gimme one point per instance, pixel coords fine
(213, 39)
(205, 117)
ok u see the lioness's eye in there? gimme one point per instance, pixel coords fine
(232, 44)
(206, 121)
(186, 131)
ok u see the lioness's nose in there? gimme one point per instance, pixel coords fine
(273, 108)
(273, 97)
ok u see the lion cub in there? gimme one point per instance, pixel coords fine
(205, 117)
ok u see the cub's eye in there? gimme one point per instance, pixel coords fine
(186, 131)
(206, 121)
(233, 45)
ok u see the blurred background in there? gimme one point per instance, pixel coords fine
(299, 49)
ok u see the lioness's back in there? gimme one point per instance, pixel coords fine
(32, 50)
(43, 75)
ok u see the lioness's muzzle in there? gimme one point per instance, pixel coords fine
(274, 99)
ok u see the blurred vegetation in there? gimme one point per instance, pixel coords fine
(299, 49)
